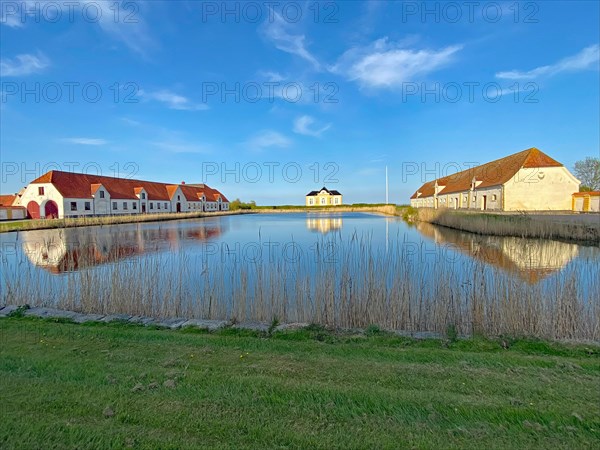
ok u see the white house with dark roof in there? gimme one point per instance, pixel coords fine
(324, 197)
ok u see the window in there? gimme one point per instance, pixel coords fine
(73, 206)
(166, 205)
(101, 194)
(114, 205)
(474, 198)
(336, 201)
(41, 190)
(322, 201)
(310, 201)
(134, 205)
(151, 205)
(158, 205)
(179, 197)
(124, 205)
(88, 206)
(465, 197)
(494, 197)
(143, 196)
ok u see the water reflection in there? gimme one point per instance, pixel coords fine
(322, 224)
(71, 249)
(530, 259)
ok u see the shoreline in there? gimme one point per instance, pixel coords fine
(45, 224)
(211, 325)
(573, 228)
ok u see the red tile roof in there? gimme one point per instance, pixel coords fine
(79, 185)
(494, 173)
(7, 200)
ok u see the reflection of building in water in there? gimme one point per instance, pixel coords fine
(71, 249)
(323, 224)
(530, 259)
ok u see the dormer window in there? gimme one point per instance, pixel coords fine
(143, 196)
(178, 197)
(101, 194)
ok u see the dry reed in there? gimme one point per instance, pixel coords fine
(344, 284)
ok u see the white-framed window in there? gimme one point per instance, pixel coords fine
(88, 206)
(73, 206)
(494, 197)
(125, 205)
(134, 205)
(114, 205)
(143, 196)
(158, 205)
(101, 194)
(166, 205)
(151, 205)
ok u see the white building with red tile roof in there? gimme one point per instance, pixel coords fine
(58, 194)
(526, 181)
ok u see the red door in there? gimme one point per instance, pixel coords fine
(33, 210)
(178, 207)
(51, 210)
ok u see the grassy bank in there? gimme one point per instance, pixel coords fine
(117, 386)
(43, 224)
(524, 225)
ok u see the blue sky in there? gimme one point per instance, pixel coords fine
(267, 101)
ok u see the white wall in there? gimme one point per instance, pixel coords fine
(539, 189)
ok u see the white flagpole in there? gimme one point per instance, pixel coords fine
(387, 187)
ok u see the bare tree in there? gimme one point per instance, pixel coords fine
(588, 172)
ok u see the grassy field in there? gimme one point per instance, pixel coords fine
(118, 386)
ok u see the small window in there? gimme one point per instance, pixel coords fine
(73, 206)
(124, 205)
(494, 197)
(114, 205)
(88, 206)
(158, 205)
(465, 197)
(134, 205)
(41, 190)
(101, 194)
(474, 198)
(151, 205)
(166, 205)
(143, 196)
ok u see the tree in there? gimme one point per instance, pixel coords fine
(588, 172)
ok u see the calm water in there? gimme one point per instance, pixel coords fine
(245, 261)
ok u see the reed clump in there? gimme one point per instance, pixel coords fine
(525, 225)
(338, 283)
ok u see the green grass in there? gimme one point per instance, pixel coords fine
(74, 386)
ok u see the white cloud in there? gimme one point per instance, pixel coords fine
(585, 59)
(268, 139)
(302, 125)
(24, 64)
(123, 24)
(276, 29)
(85, 141)
(172, 100)
(384, 64)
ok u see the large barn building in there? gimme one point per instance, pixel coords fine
(526, 181)
(58, 194)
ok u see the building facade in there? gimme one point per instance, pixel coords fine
(323, 197)
(10, 209)
(59, 194)
(526, 181)
(586, 201)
